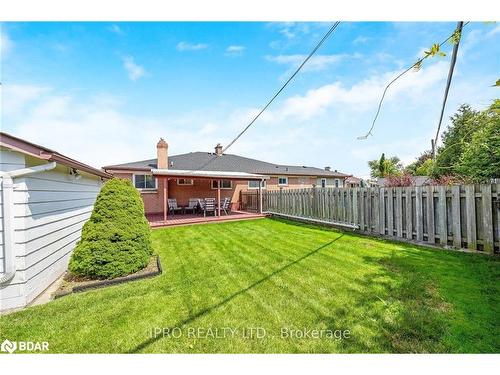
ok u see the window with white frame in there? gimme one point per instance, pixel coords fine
(224, 184)
(323, 182)
(282, 181)
(253, 184)
(336, 182)
(184, 181)
(145, 182)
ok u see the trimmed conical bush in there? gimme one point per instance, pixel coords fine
(116, 240)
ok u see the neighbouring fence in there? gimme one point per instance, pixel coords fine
(462, 216)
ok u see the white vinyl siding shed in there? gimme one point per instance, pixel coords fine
(49, 210)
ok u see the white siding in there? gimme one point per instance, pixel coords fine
(50, 209)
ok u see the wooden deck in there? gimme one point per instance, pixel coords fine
(156, 220)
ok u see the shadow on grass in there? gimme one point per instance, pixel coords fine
(228, 299)
(400, 306)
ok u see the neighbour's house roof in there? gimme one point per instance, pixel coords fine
(44, 153)
(226, 163)
(353, 179)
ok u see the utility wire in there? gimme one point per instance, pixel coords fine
(320, 43)
(394, 80)
(460, 25)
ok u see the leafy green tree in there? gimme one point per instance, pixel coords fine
(417, 167)
(480, 160)
(455, 138)
(385, 167)
(116, 240)
(470, 145)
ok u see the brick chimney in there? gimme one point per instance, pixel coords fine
(162, 154)
(218, 149)
(328, 169)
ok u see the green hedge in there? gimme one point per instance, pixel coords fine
(116, 240)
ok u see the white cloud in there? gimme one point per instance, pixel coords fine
(134, 71)
(494, 31)
(362, 95)
(5, 43)
(360, 40)
(235, 50)
(185, 46)
(16, 97)
(116, 29)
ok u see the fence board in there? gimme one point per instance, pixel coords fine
(399, 210)
(470, 204)
(442, 228)
(428, 214)
(419, 217)
(455, 204)
(487, 218)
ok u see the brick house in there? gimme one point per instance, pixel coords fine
(217, 175)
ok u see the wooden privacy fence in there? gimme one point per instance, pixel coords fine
(464, 216)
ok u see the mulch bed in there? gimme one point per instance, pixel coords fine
(75, 284)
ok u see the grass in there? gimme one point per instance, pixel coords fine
(274, 274)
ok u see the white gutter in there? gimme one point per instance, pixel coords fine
(8, 215)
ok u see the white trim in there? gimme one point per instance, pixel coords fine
(145, 189)
(286, 178)
(323, 179)
(212, 174)
(222, 188)
(192, 181)
(264, 185)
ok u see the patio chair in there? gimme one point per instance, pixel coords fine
(192, 205)
(209, 206)
(172, 206)
(226, 205)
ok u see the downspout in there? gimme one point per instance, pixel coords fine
(8, 215)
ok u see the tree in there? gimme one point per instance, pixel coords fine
(454, 139)
(470, 145)
(116, 240)
(385, 167)
(480, 160)
(422, 165)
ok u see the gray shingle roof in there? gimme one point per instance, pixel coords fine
(228, 163)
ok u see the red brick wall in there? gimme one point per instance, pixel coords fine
(153, 200)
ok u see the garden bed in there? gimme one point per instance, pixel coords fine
(75, 284)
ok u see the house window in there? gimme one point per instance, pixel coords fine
(336, 182)
(255, 184)
(184, 181)
(323, 182)
(282, 181)
(145, 182)
(224, 184)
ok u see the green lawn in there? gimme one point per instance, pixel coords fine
(278, 275)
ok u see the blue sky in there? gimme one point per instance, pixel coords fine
(104, 93)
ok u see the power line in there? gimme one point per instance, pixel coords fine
(320, 43)
(362, 137)
(460, 25)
